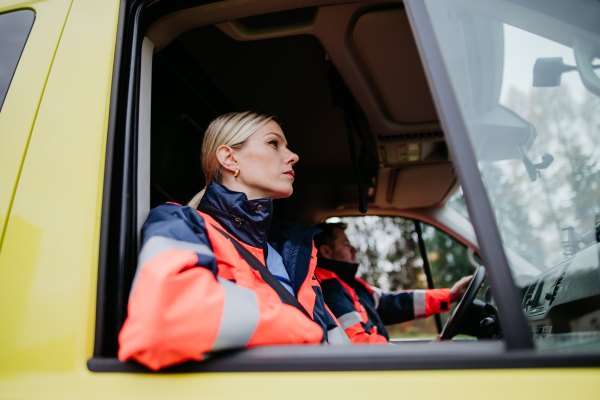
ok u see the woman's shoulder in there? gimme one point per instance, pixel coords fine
(170, 215)
(171, 210)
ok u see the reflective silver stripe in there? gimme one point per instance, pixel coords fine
(240, 317)
(337, 337)
(377, 293)
(347, 320)
(159, 244)
(419, 304)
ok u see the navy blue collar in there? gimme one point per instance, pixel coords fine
(294, 242)
(250, 221)
(344, 270)
(247, 220)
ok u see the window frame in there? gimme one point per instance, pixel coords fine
(427, 268)
(118, 243)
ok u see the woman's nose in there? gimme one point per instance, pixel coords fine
(292, 158)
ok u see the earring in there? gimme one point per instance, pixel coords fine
(237, 172)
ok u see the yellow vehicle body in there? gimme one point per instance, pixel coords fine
(53, 131)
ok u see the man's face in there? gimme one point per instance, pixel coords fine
(342, 250)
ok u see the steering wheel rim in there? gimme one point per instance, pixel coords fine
(455, 320)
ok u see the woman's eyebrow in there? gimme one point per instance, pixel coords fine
(279, 136)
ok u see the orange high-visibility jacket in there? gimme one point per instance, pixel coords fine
(193, 293)
(363, 311)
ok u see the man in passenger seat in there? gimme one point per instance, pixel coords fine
(363, 310)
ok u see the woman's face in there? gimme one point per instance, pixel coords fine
(265, 164)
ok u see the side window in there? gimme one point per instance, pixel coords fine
(389, 257)
(449, 261)
(14, 31)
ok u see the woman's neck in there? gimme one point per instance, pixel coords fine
(237, 186)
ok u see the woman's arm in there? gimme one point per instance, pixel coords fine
(180, 310)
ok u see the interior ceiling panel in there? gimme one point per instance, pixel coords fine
(385, 45)
(422, 186)
(284, 76)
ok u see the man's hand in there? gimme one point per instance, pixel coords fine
(459, 288)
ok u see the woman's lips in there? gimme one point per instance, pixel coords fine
(290, 173)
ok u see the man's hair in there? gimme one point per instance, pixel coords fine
(327, 237)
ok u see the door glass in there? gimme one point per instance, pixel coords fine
(389, 258)
(525, 75)
(449, 261)
(14, 31)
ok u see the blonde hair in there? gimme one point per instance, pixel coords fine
(232, 130)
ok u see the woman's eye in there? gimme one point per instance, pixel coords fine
(273, 142)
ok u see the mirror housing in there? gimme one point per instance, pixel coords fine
(498, 133)
(585, 50)
(547, 71)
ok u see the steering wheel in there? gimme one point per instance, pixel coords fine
(457, 317)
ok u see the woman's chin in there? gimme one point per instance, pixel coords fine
(282, 193)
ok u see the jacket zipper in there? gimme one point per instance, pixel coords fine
(265, 247)
(209, 210)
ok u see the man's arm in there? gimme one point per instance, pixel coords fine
(397, 307)
(341, 304)
(402, 306)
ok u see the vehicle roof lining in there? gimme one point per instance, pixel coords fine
(383, 43)
(164, 30)
(333, 27)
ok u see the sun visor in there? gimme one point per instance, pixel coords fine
(386, 48)
(423, 186)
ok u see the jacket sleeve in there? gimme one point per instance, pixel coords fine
(396, 307)
(342, 306)
(179, 309)
(336, 336)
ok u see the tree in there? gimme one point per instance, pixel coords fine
(448, 258)
(388, 252)
(568, 192)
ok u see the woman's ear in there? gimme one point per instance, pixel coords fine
(226, 157)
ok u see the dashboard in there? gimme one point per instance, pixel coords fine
(565, 299)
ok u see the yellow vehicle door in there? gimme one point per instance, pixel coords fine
(57, 109)
(35, 29)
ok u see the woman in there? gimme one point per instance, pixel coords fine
(201, 283)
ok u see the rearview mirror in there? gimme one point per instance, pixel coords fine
(547, 71)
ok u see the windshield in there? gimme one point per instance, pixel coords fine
(510, 120)
(527, 80)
